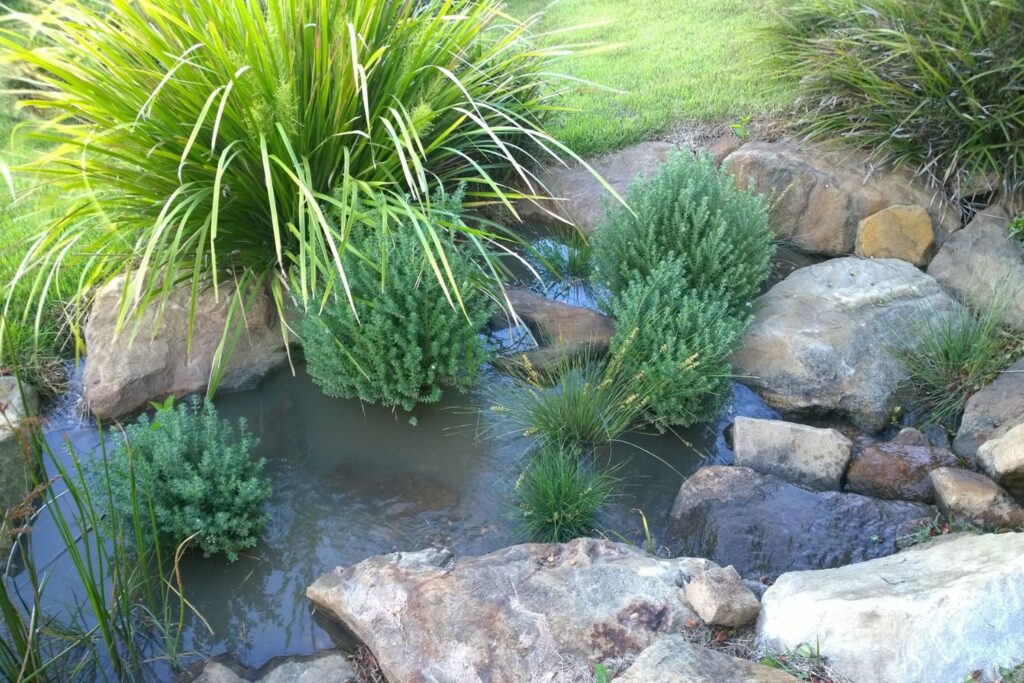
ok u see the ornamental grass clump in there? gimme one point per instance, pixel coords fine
(198, 474)
(400, 343)
(215, 141)
(937, 86)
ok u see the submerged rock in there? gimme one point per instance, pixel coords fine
(1002, 459)
(972, 498)
(812, 457)
(936, 612)
(671, 659)
(325, 667)
(18, 403)
(818, 195)
(763, 525)
(898, 469)
(992, 412)
(821, 339)
(529, 612)
(123, 375)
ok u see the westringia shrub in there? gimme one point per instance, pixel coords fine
(404, 341)
(692, 213)
(936, 85)
(680, 340)
(199, 475)
(559, 495)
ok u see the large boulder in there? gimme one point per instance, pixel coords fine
(324, 667)
(1002, 459)
(972, 498)
(809, 456)
(763, 525)
(992, 412)
(984, 265)
(818, 196)
(19, 404)
(898, 469)
(673, 660)
(578, 198)
(533, 612)
(936, 612)
(126, 371)
(821, 338)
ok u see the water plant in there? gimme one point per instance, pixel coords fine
(691, 212)
(933, 85)
(401, 342)
(559, 494)
(199, 474)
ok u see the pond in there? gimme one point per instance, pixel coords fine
(352, 480)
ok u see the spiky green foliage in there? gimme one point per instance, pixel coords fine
(681, 341)
(690, 212)
(1016, 228)
(936, 85)
(402, 342)
(559, 494)
(230, 140)
(200, 474)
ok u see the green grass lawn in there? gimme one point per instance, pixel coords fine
(668, 61)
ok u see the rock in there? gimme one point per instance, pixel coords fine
(1002, 459)
(578, 197)
(902, 231)
(325, 667)
(721, 599)
(529, 612)
(936, 612)
(819, 341)
(765, 526)
(965, 496)
(673, 660)
(818, 196)
(18, 403)
(812, 457)
(898, 469)
(992, 412)
(123, 375)
(983, 265)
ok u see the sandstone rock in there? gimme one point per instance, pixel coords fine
(531, 612)
(818, 195)
(764, 526)
(902, 231)
(812, 457)
(898, 469)
(671, 659)
(820, 338)
(992, 412)
(326, 667)
(983, 265)
(123, 375)
(16, 405)
(1002, 459)
(721, 599)
(936, 612)
(965, 496)
(577, 196)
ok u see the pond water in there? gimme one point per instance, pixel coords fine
(351, 481)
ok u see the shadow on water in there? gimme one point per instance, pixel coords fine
(352, 480)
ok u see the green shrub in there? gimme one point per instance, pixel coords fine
(559, 494)
(937, 85)
(408, 342)
(1017, 228)
(680, 340)
(199, 473)
(216, 141)
(690, 212)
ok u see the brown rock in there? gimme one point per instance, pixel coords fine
(898, 469)
(809, 456)
(902, 231)
(721, 599)
(1002, 459)
(992, 412)
(970, 497)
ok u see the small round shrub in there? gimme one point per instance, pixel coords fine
(680, 340)
(197, 473)
(559, 494)
(690, 212)
(408, 341)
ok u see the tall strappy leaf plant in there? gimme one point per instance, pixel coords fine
(216, 142)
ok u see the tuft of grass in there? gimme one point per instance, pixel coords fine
(953, 359)
(648, 65)
(567, 259)
(559, 494)
(1016, 228)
